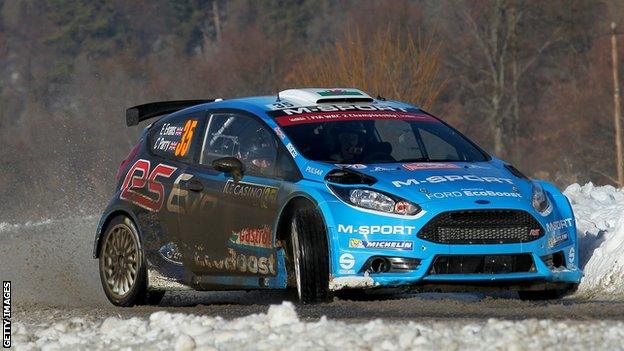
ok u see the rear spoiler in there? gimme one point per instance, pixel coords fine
(140, 113)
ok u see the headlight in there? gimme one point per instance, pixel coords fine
(539, 200)
(375, 200)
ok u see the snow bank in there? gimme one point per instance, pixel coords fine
(281, 329)
(599, 213)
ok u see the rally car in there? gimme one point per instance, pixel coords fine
(321, 190)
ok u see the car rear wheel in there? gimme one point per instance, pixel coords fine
(122, 267)
(310, 255)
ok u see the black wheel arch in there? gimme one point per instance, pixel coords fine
(285, 215)
(283, 226)
(105, 221)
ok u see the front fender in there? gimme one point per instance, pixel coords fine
(562, 209)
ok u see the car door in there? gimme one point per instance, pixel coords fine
(228, 224)
(170, 144)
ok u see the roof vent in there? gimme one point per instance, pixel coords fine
(312, 96)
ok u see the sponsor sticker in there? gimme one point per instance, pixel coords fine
(239, 262)
(329, 113)
(292, 150)
(260, 195)
(351, 166)
(180, 201)
(429, 165)
(384, 169)
(381, 244)
(279, 132)
(314, 171)
(558, 225)
(254, 237)
(347, 262)
(471, 193)
(139, 182)
(558, 232)
(477, 166)
(338, 92)
(556, 239)
(377, 229)
(450, 178)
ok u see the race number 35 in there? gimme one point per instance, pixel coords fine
(139, 178)
(187, 135)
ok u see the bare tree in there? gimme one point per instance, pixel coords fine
(390, 64)
(494, 28)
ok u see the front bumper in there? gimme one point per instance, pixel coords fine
(349, 228)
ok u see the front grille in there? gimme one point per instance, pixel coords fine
(482, 264)
(482, 227)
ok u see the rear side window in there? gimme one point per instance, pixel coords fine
(174, 138)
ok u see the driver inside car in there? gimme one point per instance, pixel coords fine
(260, 154)
(351, 140)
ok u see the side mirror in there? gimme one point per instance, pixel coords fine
(230, 165)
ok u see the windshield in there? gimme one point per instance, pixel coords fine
(406, 138)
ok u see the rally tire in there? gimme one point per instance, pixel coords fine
(122, 265)
(310, 256)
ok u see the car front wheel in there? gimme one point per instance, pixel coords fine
(310, 255)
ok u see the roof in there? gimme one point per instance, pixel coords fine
(292, 98)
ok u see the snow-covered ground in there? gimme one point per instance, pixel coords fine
(281, 329)
(599, 213)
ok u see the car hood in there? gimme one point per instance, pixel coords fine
(420, 182)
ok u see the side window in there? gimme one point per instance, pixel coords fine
(242, 137)
(174, 137)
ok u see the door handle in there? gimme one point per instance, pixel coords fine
(192, 185)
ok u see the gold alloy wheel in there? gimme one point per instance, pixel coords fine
(120, 260)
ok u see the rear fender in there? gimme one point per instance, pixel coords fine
(110, 213)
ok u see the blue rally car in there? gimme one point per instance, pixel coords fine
(323, 190)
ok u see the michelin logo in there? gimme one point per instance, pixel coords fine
(381, 244)
(377, 229)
